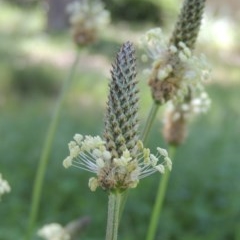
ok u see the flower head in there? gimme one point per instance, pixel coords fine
(175, 68)
(4, 186)
(188, 24)
(114, 173)
(179, 113)
(87, 18)
(119, 159)
(53, 231)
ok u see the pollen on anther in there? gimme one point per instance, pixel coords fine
(67, 162)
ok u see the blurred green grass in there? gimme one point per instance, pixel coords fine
(203, 196)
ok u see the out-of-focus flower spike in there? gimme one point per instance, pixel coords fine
(4, 186)
(188, 23)
(175, 68)
(87, 19)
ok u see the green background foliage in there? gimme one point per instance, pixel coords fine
(202, 200)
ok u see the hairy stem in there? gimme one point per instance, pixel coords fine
(43, 162)
(114, 204)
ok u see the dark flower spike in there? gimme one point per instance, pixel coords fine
(121, 122)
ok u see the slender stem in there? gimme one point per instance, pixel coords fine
(42, 165)
(114, 204)
(157, 209)
(149, 122)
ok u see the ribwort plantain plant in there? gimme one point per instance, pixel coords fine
(119, 159)
(176, 78)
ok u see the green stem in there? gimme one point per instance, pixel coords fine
(42, 165)
(161, 192)
(114, 204)
(149, 122)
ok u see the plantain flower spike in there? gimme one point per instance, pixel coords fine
(55, 231)
(119, 159)
(178, 115)
(175, 68)
(4, 186)
(188, 24)
(87, 19)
